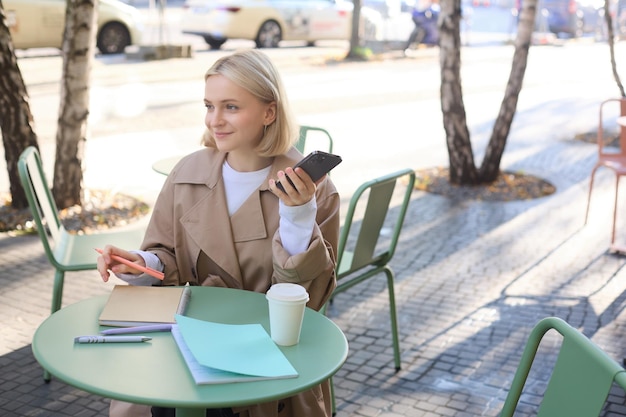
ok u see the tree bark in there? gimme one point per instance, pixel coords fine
(463, 170)
(611, 40)
(16, 119)
(354, 51)
(78, 55)
(490, 167)
(460, 154)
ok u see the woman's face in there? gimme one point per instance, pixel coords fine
(234, 116)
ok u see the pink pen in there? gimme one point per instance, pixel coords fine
(149, 271)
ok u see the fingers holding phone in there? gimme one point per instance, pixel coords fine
(316, 165)
(310, 170)
(299, 188)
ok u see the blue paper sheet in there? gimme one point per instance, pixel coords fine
(240, 348)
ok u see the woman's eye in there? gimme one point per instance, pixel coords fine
(231, 107)
(208, 106)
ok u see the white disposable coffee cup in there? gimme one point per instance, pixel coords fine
(286, 305)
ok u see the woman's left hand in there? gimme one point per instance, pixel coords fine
(298, 185)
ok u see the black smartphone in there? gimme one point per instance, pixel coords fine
(316, 164)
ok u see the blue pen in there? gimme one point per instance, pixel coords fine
(139, 329)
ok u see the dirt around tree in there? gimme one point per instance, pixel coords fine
(101, 211)
(509, 186)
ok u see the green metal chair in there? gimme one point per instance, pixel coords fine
(361, 257)
(317, 133)
(581, 379)
(64, 250)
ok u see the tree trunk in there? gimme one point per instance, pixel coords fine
(16, 119)
(611, 40)
(355, 41)
(460, 154)
(78, 55)
(490, 167)
(463, 170)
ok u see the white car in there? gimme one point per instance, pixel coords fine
(267, 22)
(40, 24)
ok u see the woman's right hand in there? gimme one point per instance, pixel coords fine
(106, 262)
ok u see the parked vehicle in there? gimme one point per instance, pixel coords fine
(561, 17)
(592, 15)
(41, 23)
(618, 15)
(268, 22)
(576, 18)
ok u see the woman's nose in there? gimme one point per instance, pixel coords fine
(215, 118)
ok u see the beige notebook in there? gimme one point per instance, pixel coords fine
(130, 305)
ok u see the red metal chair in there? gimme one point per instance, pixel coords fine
(612, 159)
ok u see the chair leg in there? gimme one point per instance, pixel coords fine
(57, 298)
(615, 209)
(332, 396)
(57, 290)
(593, 173)
(394, 318)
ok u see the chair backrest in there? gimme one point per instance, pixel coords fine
(323, 135)
(40, 200)
(376, 195)
(622, 133)
(581, 378)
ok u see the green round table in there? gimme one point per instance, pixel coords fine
(155, 373)
(165, 166)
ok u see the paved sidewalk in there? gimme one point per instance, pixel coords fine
(472, 279)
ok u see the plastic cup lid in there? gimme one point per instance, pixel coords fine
(288, 292)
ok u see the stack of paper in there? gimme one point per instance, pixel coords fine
(219, 353)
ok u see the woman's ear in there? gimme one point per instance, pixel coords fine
(270, 113)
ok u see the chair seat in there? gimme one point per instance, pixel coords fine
(616, 163)
(76, 252)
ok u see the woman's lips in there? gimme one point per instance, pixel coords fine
(220, 135)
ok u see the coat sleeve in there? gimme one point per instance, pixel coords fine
(159, 237)
(314, 269)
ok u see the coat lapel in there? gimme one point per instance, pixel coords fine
(212, 235)
(248, 223)
(204, 222)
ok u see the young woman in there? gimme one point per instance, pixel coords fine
(221, 221)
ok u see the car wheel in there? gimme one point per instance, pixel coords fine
(270, 34)
(113, 38)
(214, 43)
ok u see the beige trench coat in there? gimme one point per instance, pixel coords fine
(191, 234)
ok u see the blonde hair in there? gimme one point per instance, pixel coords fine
(253, 71)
